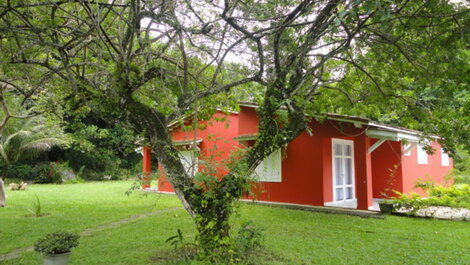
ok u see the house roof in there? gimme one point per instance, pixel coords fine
(375, 129)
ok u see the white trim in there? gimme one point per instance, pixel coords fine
(139, 150)
(393, 136)
(187, 142)
(376, 145)
(345, 202)
(408, 147)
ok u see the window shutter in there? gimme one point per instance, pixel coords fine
(422, 155)
(189, 161)
(270, 169)
(444, 158)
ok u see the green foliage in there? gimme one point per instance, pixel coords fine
(50, 172)
(99, 150)
(237, 250)
(453, 196)
(23, 139)
(57, 243)
(41, 172)
(410, 203)
(36, 210)
(462, 167)
(21, 171)
(177, 240)
(248, 241)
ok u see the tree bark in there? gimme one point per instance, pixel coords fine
(2, 193)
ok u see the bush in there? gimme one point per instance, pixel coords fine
(57, 243)
(454, 196)
(21, 171)
(462, 178)
(248, 240)
(47, 173)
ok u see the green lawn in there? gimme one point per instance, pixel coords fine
(292, 237)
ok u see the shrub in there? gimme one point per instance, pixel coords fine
(47, 173)
(453, 196)
(57, 243)
(21, 171)
(248, 240)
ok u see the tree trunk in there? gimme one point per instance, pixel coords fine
(2, 193)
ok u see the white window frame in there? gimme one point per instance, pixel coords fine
(422, 156)
(444, 158)
(191, 166)
(265, 172)
(333, 171)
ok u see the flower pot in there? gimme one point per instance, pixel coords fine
(386, 208)
(59, 259)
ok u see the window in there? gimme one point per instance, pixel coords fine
(405, 148)
(189, 161)
(422, 155)
(270, 169)
(444, 158)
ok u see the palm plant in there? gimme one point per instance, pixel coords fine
(28, 138)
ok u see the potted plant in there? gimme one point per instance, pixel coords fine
(56, 247)
(386, 206)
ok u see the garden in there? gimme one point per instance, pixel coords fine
(96, 210)
(87, 87)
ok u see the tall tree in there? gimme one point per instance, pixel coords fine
(150, 62)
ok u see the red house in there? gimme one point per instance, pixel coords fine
(344, 162)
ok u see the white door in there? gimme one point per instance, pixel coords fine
(343, 172)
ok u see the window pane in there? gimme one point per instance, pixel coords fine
(337, 148)
(347, 150)
(348, 171)
(349, 194)
(339, 194)
(338, 171)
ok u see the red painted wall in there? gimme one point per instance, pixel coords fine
(217, 142)
(387, 169)
(307, 167)
(433, 171)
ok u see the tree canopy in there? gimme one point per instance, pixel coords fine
(148, 63)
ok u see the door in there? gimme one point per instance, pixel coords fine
(343, 172)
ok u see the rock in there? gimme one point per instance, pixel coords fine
(68, 175)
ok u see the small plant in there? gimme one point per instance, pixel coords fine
(57, 243)
(177, 240)
(248, 240)
(36, 211)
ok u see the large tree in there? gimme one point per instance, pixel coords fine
(150, 62)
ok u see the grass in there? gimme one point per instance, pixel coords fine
(291, 236)
(73, 207)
